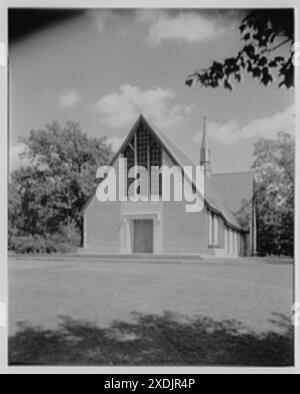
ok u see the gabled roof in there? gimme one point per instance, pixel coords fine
(212, 196)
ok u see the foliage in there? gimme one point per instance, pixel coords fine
(244, 215)
(274, 194)
(266, 34)
(42, 244)
(46, 197)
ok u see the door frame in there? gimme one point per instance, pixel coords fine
(127, 232)
(149, 222)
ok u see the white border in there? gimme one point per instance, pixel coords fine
(3, 188)
(297, 193)
(3, 183)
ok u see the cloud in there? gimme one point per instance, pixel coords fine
(115, 143)
(231, 132)
(69, 99)
(122, 107)
(190, 27)
(100, 18)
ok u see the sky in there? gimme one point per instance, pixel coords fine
(104, 68)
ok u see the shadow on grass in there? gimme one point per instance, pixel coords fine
(152, 340)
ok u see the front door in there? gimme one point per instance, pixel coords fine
(143, 236)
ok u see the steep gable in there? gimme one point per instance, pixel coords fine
(212, 196)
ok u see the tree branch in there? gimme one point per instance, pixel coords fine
(277, 46)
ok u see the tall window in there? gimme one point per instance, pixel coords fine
(143, 150)
(228, 239)
(216, 230)
(213, 224)
(210, 229)
(156, 161)
(236, 242)
(129, 155)
(232, 241)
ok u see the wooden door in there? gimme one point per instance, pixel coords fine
(143, 236)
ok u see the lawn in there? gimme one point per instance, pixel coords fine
(233, 312)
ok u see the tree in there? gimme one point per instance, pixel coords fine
(274, 194)
(48, 195)
(15, 217)
(244, 214)
(267, 36)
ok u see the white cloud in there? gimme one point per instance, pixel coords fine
(69, 99)
(231, 132)
(100, 18)
(115, 143)
(190, 27)
(121, 108)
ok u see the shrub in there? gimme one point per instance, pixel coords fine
(43, 244)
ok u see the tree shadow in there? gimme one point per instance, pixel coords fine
(168, 339)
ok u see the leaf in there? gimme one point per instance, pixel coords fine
(250, 50)
(217, 66)
(228, 85)
(238, 77)
(273, 64)
(267, 79)
(263, 61)
(256, 72)
(242, 28)
(264, 28)
(189, 82)
(231, 61)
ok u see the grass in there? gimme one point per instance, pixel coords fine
(231, 313)
(167, 339)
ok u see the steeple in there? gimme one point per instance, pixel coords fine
(205, 152)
